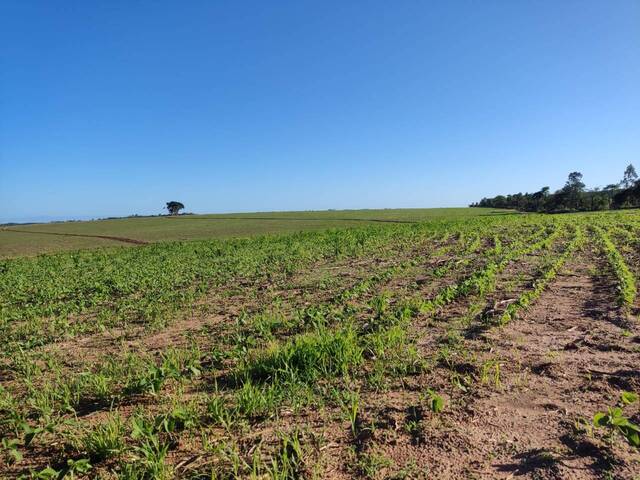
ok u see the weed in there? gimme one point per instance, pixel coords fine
(288, 463)
(104, 440)
(322, 353)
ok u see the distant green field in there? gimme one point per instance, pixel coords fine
(24, 240)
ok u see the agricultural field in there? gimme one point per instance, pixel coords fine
(34, 239)
(460, 346)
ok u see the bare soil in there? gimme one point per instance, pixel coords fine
(569, 356)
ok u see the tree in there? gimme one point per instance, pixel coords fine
(572, 194)
(630, 177)
(538, 199)
(574, 183)
(174, 207)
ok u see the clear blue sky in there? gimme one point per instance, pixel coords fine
(113, 108)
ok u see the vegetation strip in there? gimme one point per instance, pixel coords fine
(626, 282)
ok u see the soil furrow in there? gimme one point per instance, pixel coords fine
(566, 359)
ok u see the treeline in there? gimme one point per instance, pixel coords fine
(573, 197)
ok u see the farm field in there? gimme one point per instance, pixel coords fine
(33, 239)
(456, 346)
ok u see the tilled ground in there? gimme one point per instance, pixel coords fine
(533, 387)
(518, 398)
(570, 356)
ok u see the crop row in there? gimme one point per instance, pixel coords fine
(539, 285)
(627, 289)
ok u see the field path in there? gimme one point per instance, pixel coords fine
(104, 237)
(569, 356)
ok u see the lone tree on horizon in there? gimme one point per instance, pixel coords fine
(174, 207)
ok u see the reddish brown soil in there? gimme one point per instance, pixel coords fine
(547, 373)
(568, 357)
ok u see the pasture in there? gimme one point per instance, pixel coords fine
(33, 239)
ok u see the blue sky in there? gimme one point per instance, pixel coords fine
(114, 108)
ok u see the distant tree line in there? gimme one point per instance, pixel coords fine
(574, 196)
